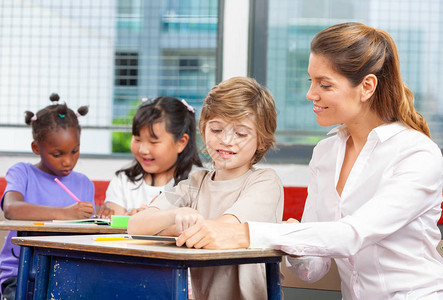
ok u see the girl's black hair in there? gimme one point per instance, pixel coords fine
(52, 118)
(178, 121)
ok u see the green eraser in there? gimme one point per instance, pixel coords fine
(119, 221)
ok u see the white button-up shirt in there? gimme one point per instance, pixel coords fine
(382, 231)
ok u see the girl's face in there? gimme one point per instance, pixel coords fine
(58, 152)
(335, 100)
(157, 155)
(231, 146)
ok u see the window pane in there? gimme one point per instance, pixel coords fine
(415, 25)
(107, 54)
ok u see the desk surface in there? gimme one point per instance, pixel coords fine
(18, 225)
(139, 248)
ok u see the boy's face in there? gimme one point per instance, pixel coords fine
(58, 152)
(231, 145)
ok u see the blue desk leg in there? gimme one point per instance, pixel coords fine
(181, 283)
(24, 267)
(41, 281)
(273, 281)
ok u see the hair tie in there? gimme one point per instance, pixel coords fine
(34, 118)
(77, 114)
(61, 115)
(189, 107)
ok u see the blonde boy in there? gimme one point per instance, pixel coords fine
(237, 124)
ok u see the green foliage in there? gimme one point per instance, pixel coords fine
(121, 140)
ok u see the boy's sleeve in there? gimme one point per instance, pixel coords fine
(184, 194)
(172, 198)
(262, 199)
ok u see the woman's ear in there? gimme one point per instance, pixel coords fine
(181, 143)
(35, 148)
(368, 86)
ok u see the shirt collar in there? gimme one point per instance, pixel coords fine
(388, 130)
(384, 131)
(341, 131)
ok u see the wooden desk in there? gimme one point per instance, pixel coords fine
(27, 228)
(79, 267)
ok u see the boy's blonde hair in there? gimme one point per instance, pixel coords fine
(240, 97)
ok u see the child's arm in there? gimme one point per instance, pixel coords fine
(158, 220)
(136, 210)
(171, 222)
(213, 235)
(169, 209)
(164, 222)
(15, 208)
(227, 219)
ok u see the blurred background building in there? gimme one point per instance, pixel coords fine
(109, 54)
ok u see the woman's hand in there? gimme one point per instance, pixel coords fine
(291, 220)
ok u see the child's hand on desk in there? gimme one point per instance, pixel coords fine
(79, 210)
(136, 210)
(185, 217)
(105, 212)
(215, 235)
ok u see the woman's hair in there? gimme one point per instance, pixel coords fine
(179, 118)
(356, 50)
(52, 118)
(240, 97)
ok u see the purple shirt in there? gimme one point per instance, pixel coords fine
(39, 188)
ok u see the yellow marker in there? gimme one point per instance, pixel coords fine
(39, 223)
(114, 238)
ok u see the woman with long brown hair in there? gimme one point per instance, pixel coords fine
(375, 192)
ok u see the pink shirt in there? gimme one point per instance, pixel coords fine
(382, 231)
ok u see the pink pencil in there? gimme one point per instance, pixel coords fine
(67, 190)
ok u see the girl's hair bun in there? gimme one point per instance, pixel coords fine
(83, 110)
(54, 97)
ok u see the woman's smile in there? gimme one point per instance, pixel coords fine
(318, 109)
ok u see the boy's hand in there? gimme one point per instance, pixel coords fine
(215, 235)
(79, 210)
(105, 212)
(186, 217)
